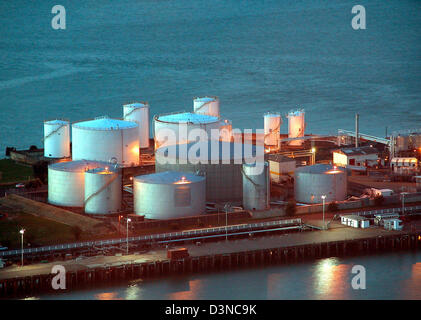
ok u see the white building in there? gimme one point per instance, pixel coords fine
(280, 166)
(392, 224)
(355, 221)
(404, 165)
(360, 157)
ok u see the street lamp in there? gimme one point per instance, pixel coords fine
(22, 231)
(226, 207)
(127, 235)
(403, 201)
(324, 201)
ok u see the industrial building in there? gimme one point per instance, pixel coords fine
(169, 195)
(355, 221)
(220, 161)
(360, 156)
(280, 167)
(404, 166)
(313, 182)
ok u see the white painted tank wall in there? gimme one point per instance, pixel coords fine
(256, 186)
(207, 105)
(161, 127)
(139, 112)
(272, 128)
(103, 191)
(56, 139)
(104, 144)
(296, 127)
(66, 182)
(158, 196)
(312, 182)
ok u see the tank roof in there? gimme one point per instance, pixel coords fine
(77, 165)
(137, 105)
(105, 124)
(56, 121)
(226, 150)
(169, 177)
(205, 99)
(320, 169)
(187, 117)
(295, 113)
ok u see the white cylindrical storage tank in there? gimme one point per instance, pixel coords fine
(169, 195)
(272, 128)
(57, 139)
(105, 139)
(225, 129)
(312, 182)
(206, 105)
(179, 128)
(219, 161)
(103, 191)
(296, 126)
(139, 112)
(66, 182)
(256, 186)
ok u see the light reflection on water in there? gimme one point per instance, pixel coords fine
(389, 276)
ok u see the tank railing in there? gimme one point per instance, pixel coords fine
(101, 189)
(54, 131)
(161, 236)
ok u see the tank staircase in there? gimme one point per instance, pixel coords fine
(53, 132)
(100, 189)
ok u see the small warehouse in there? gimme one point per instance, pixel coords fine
(355, 221)
(392, 224)
(404, 165)
(280, 167)
(360, 157)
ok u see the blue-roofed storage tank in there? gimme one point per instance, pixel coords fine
(311, 182)
(220, 161)
(169, 195)
(105, 139)
(180, 125)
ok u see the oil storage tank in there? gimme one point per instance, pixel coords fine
(256, 186)
(103, 191)
(56, 139)
(169, 195)
(106, 139)
(66, 182)
(296, 126)
(225, 129)
(311, 182)
(139, 112)
(206, 105)
(219, 161)
(180, 125)
(272, 128)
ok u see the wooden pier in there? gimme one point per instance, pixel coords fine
(209, 257)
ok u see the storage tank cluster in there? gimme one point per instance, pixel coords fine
(220, 161)
(169, 195)
(313, 182)
(66, 182)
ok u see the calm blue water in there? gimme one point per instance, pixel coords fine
(256, 56)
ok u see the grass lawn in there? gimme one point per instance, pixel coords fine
(38, 231)
(12, 171)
